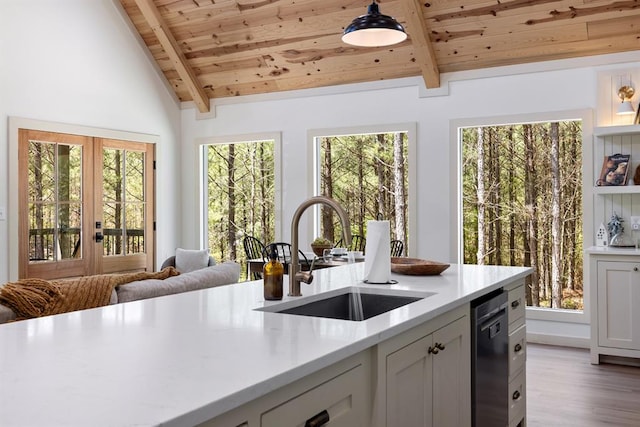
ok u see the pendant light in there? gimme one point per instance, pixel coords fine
(374, 29)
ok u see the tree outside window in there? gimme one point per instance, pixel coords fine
(522, 205)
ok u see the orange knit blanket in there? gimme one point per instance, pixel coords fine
(30, 298)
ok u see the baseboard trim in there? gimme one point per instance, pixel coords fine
(560, 340)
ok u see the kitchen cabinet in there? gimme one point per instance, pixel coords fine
(517, 354)
(424, 374)
(339, 395)
(615, 311)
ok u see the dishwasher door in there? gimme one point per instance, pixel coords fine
(490, 362)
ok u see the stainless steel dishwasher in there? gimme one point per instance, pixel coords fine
(490, 361)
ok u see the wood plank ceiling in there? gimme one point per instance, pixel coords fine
(220, 48)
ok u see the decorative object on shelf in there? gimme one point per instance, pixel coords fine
(625, 93)
(636, 177)
(319, 245)
(636, 120)
(615, 229)
(615, 170)
(602, 237)
(374, 29)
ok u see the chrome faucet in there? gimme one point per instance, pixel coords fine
(295, 275)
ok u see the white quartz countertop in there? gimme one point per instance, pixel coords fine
(183, 359)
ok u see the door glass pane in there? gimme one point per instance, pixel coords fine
(69, 230)
(55, 192)
(112, 228)
(41, 232)
(123, 203)
(135, 227)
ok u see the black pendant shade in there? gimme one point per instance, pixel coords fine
(374, 29)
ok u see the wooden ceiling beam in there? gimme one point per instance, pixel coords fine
(422, 47)
(172, 49)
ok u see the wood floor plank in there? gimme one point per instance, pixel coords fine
(565, 389)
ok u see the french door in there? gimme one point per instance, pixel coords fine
(86, 205)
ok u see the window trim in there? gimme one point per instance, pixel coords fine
(313, 158)
(586, 116)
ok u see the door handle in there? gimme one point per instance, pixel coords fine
(99, 237)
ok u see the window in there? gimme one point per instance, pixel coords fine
(368, 172)
(522, 205)
(241, 196)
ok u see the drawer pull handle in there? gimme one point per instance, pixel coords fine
(517, 348)
(433, 350)
(515, 304)
(635, 268)
(440, 346)
(318, 420)
(516, 395)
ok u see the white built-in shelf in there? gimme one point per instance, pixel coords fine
(610, 250)
(622, 189)
(616, 130)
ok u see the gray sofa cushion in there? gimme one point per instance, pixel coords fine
(225, 273)
(6, 314)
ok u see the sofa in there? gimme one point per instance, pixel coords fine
(224, 273)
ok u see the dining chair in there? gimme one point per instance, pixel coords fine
(397, 247)
(283, 251)
(358, 243)
(254, 249)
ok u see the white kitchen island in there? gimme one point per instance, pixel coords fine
(184, 359)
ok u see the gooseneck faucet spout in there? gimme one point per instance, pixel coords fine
(296, 276)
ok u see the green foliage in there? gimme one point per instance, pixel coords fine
(240, 193)
(508, 183)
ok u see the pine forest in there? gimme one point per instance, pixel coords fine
(522, 205)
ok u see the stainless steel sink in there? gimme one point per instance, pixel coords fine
(351, 304)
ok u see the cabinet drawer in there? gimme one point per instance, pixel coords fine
(517, 399)
(340, 400)
(517, 350)
(517, 304)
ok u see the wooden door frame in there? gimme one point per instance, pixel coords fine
(13, 216)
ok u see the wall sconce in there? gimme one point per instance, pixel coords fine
(625, 93)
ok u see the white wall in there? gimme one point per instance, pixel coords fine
(78, 62)
(524, 93)
(534, 89)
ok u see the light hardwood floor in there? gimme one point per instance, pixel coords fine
(565, 389)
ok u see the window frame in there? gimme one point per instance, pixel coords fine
(586, 117)
(202, 143)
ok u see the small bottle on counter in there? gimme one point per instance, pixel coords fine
(272, 273)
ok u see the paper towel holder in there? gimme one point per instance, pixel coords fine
(390, 282)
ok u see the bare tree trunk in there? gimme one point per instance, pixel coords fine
(398, 175)
(380, 172)
(231, 221)
(512, 202)
(481, 199)
(328, 231)
(118, 195)
(497, 202)
(531, 211)
(556, 237)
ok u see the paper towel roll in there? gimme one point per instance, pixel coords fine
(377, 253)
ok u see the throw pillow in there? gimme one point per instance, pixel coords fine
(190, 260)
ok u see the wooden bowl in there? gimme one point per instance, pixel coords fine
(417, 267)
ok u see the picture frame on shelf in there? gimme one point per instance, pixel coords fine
(636, 119)
(615, 170)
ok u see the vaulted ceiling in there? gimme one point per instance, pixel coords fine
(220, 48)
